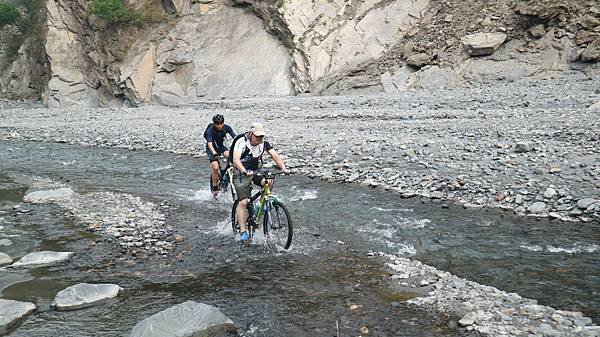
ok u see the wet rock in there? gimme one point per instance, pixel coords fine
(5, 259)
(186, 319)
(5, 242)
(12, 313)
(585, 202)
(42, 259)
(47, 196)
(537, 207)
(84, 295)
(481, 44)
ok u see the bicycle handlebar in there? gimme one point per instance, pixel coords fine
(269, 174)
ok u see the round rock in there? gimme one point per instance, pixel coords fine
(585, 202)
(5, 259)
(550, 193)
(84, 295)
(537, 207)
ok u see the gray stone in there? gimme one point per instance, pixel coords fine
(519, 199)
(585, 202)
(468, 319)
(480, 44)
(84, 295)
(550, 193)
(437, 195)
(418, 60)
(5, 242)
(537, 31)
(522, 147)
(537, 207)
(12, 313)
(42, 259)
(5, 259)
(592, 52)
(186, 319)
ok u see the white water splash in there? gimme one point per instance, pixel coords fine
(576, 248)
(307, 195)
(160, 168)
(410, 223)
(385, 210)
(533, 248)
(387, 234)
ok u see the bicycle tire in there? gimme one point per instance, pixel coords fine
(275, 212)
(234, 224)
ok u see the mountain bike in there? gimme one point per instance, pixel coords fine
(224, 178)
(264, 207)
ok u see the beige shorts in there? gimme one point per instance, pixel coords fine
(243, 184)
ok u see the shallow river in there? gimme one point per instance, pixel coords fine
(328, 282)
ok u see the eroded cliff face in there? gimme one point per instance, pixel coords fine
(386, 45)
(237, 48)
(215, 51)
(206, 49)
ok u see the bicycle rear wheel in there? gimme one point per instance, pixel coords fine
(277, 225)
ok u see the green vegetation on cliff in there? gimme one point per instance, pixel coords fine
(9, 14)
(19, 20)
(115, 12)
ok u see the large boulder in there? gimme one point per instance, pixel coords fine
(84, 295)
(481, 44)
(12, 313)
(186, 319)
(592, 52)
(42, 259)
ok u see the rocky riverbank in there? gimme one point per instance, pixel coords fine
(485, 309)
(527, 147)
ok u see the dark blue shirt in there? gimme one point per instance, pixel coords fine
(217, 137)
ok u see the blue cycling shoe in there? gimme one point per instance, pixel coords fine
(244, 236)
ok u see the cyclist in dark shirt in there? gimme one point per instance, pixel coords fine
(215, 134)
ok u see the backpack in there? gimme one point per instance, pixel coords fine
(254, 161)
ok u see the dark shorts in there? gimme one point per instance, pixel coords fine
(243, 184)
(220, 151)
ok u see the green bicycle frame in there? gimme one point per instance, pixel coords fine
(266, 198)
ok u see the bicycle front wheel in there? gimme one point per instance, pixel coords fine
(277, 225)
(234, 222)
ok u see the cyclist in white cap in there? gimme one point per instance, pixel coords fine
(248, 149)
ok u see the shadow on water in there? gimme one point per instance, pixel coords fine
(327, 277)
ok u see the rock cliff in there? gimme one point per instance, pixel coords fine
(194, 49)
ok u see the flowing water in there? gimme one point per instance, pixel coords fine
(328, 283)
